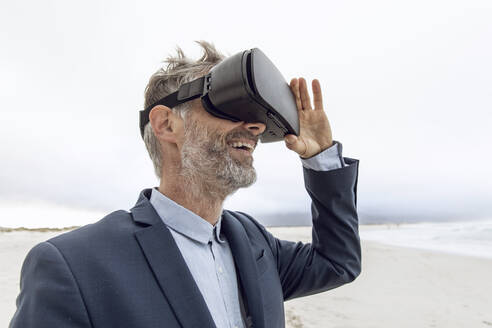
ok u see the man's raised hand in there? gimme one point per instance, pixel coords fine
(315, 131)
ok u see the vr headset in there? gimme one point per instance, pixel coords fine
(244, 87)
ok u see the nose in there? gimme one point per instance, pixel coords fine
(256, 128)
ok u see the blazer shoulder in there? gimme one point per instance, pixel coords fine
(45, 278)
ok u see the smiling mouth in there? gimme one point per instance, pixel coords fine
(248, 146)
(242, 150)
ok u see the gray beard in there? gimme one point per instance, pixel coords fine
(207, 167)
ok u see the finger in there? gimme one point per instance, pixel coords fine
(294, 86)
(294, 143)
(317, 97)
(305, 99)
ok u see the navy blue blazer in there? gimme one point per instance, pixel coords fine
(127, 271)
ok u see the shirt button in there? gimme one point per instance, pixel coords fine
(220, 269)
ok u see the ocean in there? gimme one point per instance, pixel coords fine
(469, 238)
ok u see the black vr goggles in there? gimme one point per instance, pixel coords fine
(244, 87)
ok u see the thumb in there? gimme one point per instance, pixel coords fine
(290, 139)
(294, 143)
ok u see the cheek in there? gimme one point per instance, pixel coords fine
(214, 131)
(219, 131)
(227, 128)
(209, 137)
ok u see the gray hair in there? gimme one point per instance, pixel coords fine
(180, 70)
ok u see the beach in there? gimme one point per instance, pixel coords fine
(398, 286)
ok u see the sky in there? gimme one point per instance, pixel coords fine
(407, 87)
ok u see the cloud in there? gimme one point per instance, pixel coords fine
(406, 88)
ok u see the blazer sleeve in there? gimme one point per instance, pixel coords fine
(49, 295)
(333, 258)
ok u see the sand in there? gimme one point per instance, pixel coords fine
(398, 287)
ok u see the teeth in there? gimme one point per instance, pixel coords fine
(241, 144)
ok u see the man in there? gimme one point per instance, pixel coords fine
(178, 259)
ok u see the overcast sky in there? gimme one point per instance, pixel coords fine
(407, 88)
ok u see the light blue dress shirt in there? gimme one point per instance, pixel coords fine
(207, 253)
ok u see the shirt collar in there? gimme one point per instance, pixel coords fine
(184, 221)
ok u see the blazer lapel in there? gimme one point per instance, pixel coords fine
(246, 267)
(169, 267)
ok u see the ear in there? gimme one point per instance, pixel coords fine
(165, 124)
